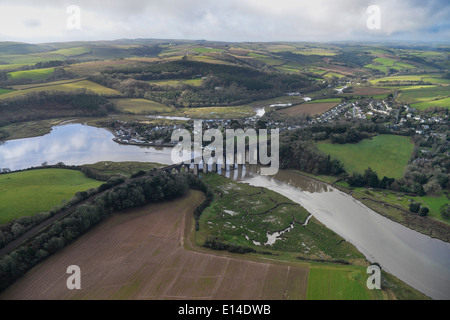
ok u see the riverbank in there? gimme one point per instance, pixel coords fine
(373, 199)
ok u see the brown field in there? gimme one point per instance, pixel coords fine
(344, 70)
(147, 253)
(368, 91)
(310, 109)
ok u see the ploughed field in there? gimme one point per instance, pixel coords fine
(141, 254)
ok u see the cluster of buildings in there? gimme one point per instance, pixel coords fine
(333, 114)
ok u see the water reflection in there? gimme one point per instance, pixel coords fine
(75, 144)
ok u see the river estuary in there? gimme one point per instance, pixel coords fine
(417, 259)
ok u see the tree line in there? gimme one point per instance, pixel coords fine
(304, 156)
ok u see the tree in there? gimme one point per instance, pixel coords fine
(432, 187)
(424, 211)
(356, 180)
(414, 207)
(445, 211)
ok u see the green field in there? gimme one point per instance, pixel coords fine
(207, 50)
(388, 155)
(418, 94)
(331, 100)
(34, 75)
(444, 103)
(429, 78)
(140, 106)
(71, 52)
(29, 59)
(344, 283)
(384, 64)
(30, 192)
(66, 87)
(3, 91)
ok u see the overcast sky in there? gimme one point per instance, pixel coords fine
(38, 21)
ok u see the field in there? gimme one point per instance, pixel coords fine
(191, 82)
(417, 94)
(428, 78)
(72, 52)
(331, 283)
(64, 87)
(3, 91)
(444, 103)
(141, 254)
(236, 112)
(140, 106)
(34, 75)
(312, 108)
(388, 155)
(30, 192)
(384, 64)
(368, 91)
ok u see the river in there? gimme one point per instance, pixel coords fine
(419, 260)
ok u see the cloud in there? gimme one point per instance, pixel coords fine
(32, 23)
(231, 20)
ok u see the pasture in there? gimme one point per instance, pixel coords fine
(343, 283)
(72, 52)
(418, 94)
(444, 103)
(388, 155)
(30, 192)
(427, 78)
(384, 64)
(140, 106)
(3, 91)
(34, 75)
(65, 87)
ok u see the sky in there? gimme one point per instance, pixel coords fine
(40, 21)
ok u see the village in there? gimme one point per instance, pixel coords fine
(402, 120)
